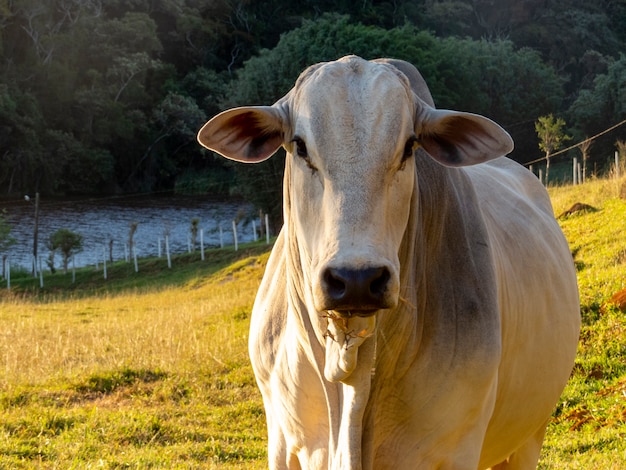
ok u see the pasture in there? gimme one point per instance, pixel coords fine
(150, 370)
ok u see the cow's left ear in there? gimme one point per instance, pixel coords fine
(249, 134)
(458, 139)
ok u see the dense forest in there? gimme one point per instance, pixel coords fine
(106, 96)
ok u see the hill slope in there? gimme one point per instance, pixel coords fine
(589, 427)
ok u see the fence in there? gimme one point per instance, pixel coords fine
(577, 171)
(130, 252)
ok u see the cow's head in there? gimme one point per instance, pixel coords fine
(351, 129)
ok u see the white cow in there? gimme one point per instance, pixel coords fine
(419, 309)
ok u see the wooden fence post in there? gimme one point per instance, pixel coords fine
(135, 257)
(202, 244)
(36, 234)
(167, 251)
(104, 262)
(261, 228)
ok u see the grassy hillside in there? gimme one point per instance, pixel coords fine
(589, 426)
(150, 370)
(141, 371)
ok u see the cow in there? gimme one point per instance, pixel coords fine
(420, 308)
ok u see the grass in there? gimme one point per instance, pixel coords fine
(152, 274)
(589, 426)
(146, 374)
(150, 369)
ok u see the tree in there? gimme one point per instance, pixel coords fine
(195, 222)
(132, 228)
(67, 242)
(176, 116)
(22, 162)
(512, 86)
(605, 103)
(126, 68)
(551, 137)
(83, 168)
(6, 240)
(601, 106)
(496, 79)
(564, 31)
(83, 81)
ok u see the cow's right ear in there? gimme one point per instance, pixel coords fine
(455, 138)
(249, 134)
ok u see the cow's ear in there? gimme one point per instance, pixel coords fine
(249, 134)
(458, 139)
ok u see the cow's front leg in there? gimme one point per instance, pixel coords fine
(277, 455)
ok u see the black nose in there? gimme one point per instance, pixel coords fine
(359, 291)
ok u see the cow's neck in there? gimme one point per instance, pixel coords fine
(346, 396)
(414, 339)
(402, 332)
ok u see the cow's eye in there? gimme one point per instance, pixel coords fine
(302, 152)
(409, 148)
(300, 148)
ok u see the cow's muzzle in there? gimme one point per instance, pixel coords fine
(355, 292)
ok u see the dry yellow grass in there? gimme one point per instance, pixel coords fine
(171, 329)
(594, 191)
(144, 379)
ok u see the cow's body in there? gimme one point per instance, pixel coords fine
(457, 350)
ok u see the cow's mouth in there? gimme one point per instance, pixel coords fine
(345, 332)
(355, 313)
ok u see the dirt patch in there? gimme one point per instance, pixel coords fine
(577, 208)
(619, 300)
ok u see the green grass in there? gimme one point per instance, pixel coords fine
(589, 426)
(153, 273)
(150, 369)
(146, 370)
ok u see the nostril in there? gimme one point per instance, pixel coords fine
(379, 283)
(362, 289)
(335, 285)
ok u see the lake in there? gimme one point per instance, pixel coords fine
(104, 219)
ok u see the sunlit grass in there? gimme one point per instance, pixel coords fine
(173, 327)
(597, 239)
(589, 427)
(157, 379)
